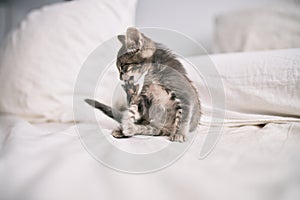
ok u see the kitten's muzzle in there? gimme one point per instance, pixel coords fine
(124, 77)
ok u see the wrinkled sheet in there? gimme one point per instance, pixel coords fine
(48, 161)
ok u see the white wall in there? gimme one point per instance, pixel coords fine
(12, 13)
(19, 8)
(194, 18)
(2, 22)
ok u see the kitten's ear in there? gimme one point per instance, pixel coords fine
(122, 39)
(137, 42)
(134, 39)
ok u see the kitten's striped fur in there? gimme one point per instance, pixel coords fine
(166, 103)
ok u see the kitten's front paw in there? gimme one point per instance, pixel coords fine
(178, 138)
(128, 130)
(117, 133)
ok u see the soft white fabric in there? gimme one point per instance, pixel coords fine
(248, 162)
(259, 87)
(40, 60)
(275, 26)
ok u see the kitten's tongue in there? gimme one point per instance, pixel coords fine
(131, 91)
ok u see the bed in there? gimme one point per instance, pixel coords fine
(53, 146)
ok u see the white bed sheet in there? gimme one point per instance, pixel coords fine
(48, 161)
(249, 162)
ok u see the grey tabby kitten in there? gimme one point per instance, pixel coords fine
(164, 102)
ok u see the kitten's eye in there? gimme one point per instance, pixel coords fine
(131, 67)
(135, 67)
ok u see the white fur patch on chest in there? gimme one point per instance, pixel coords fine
(141, 81)
(159, 94)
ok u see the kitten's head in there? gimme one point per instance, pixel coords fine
(136, 49)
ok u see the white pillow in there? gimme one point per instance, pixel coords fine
(40, 60)
(274, 27)
(259, 87)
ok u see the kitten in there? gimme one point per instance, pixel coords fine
(164, 102)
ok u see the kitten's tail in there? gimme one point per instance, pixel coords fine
(109, 111)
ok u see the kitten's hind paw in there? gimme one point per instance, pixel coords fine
(178, 138)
